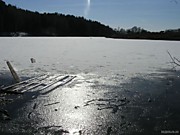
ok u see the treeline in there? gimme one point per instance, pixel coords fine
(14, 20)
(139, 33)
(19, 22)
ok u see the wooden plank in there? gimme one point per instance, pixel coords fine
(33, 83)
(17, 84)
(11, 92)
(42, 83)
(13, 72)
(62, 82)
(62, 78)
(48, 82)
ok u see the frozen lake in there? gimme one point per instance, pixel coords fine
(122, 86)
(87, 55)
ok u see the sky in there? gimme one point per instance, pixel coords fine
(153, 15)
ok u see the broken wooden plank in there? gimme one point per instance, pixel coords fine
(58, 84)
(43, 82)
(11, 92)
(21, 83)
(69, 79)
(34, 84)
(62, 78)
(51, 103)
(48, 82)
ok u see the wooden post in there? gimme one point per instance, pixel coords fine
(13, 72)
(33, 60)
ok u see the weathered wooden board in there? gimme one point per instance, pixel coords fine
(44, 82)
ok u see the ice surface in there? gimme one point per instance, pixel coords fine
(122, 86)
(86, 55)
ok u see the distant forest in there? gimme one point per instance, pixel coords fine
(13, 20)
(20, 22)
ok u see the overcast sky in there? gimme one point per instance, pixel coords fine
(153, 15)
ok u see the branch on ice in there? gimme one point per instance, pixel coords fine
(175, 61)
